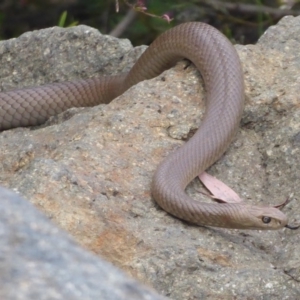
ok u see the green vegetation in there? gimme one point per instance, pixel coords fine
(243, 23)
(63, 18)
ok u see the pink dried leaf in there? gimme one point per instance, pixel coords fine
(219, 190)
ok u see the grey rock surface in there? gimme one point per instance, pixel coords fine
(39, 261)
(58, 54)
(90, 169)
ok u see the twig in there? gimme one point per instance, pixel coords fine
(140, 7)
(126, 21)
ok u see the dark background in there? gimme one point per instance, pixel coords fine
(242, 21)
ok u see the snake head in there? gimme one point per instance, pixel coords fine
(265, 218)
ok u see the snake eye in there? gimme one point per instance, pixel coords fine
(266, 220)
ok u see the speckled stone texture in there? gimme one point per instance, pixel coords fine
(39, 261)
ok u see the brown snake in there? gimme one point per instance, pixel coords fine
(219, 64)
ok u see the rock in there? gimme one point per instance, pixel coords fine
(39, 261)
(58, 54)
(90, 170)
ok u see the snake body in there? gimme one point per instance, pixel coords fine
(219, 64)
